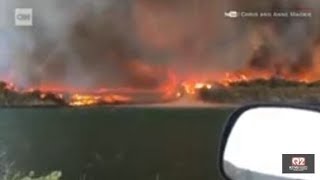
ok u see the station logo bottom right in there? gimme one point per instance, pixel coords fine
(298, 163)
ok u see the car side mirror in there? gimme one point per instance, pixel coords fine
(275, 142)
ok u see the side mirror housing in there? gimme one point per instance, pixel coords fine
(271, 142)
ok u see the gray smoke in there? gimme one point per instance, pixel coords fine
(287, 44)
(121, 43)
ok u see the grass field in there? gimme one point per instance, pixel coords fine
(104, 143)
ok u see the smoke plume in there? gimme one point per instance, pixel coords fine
(137, 43)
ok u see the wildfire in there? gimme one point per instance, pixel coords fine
(191, 88)
(202, 85)
(248, 75)
(82, 100)
(85, 99)
(171, 89)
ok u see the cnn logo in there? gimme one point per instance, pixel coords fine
(23, 17)
(298, 161)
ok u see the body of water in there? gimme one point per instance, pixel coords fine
(105, 143)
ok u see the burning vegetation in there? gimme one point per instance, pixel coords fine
(234, 88)
(100, 52)
(274, 90)
(11, 96)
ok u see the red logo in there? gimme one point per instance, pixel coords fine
(298, 161)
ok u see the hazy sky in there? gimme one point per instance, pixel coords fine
(135, 43)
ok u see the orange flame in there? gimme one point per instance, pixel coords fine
(172, 88)
(85, 99)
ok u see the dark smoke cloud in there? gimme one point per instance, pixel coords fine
(285, 44)
(121, 43)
